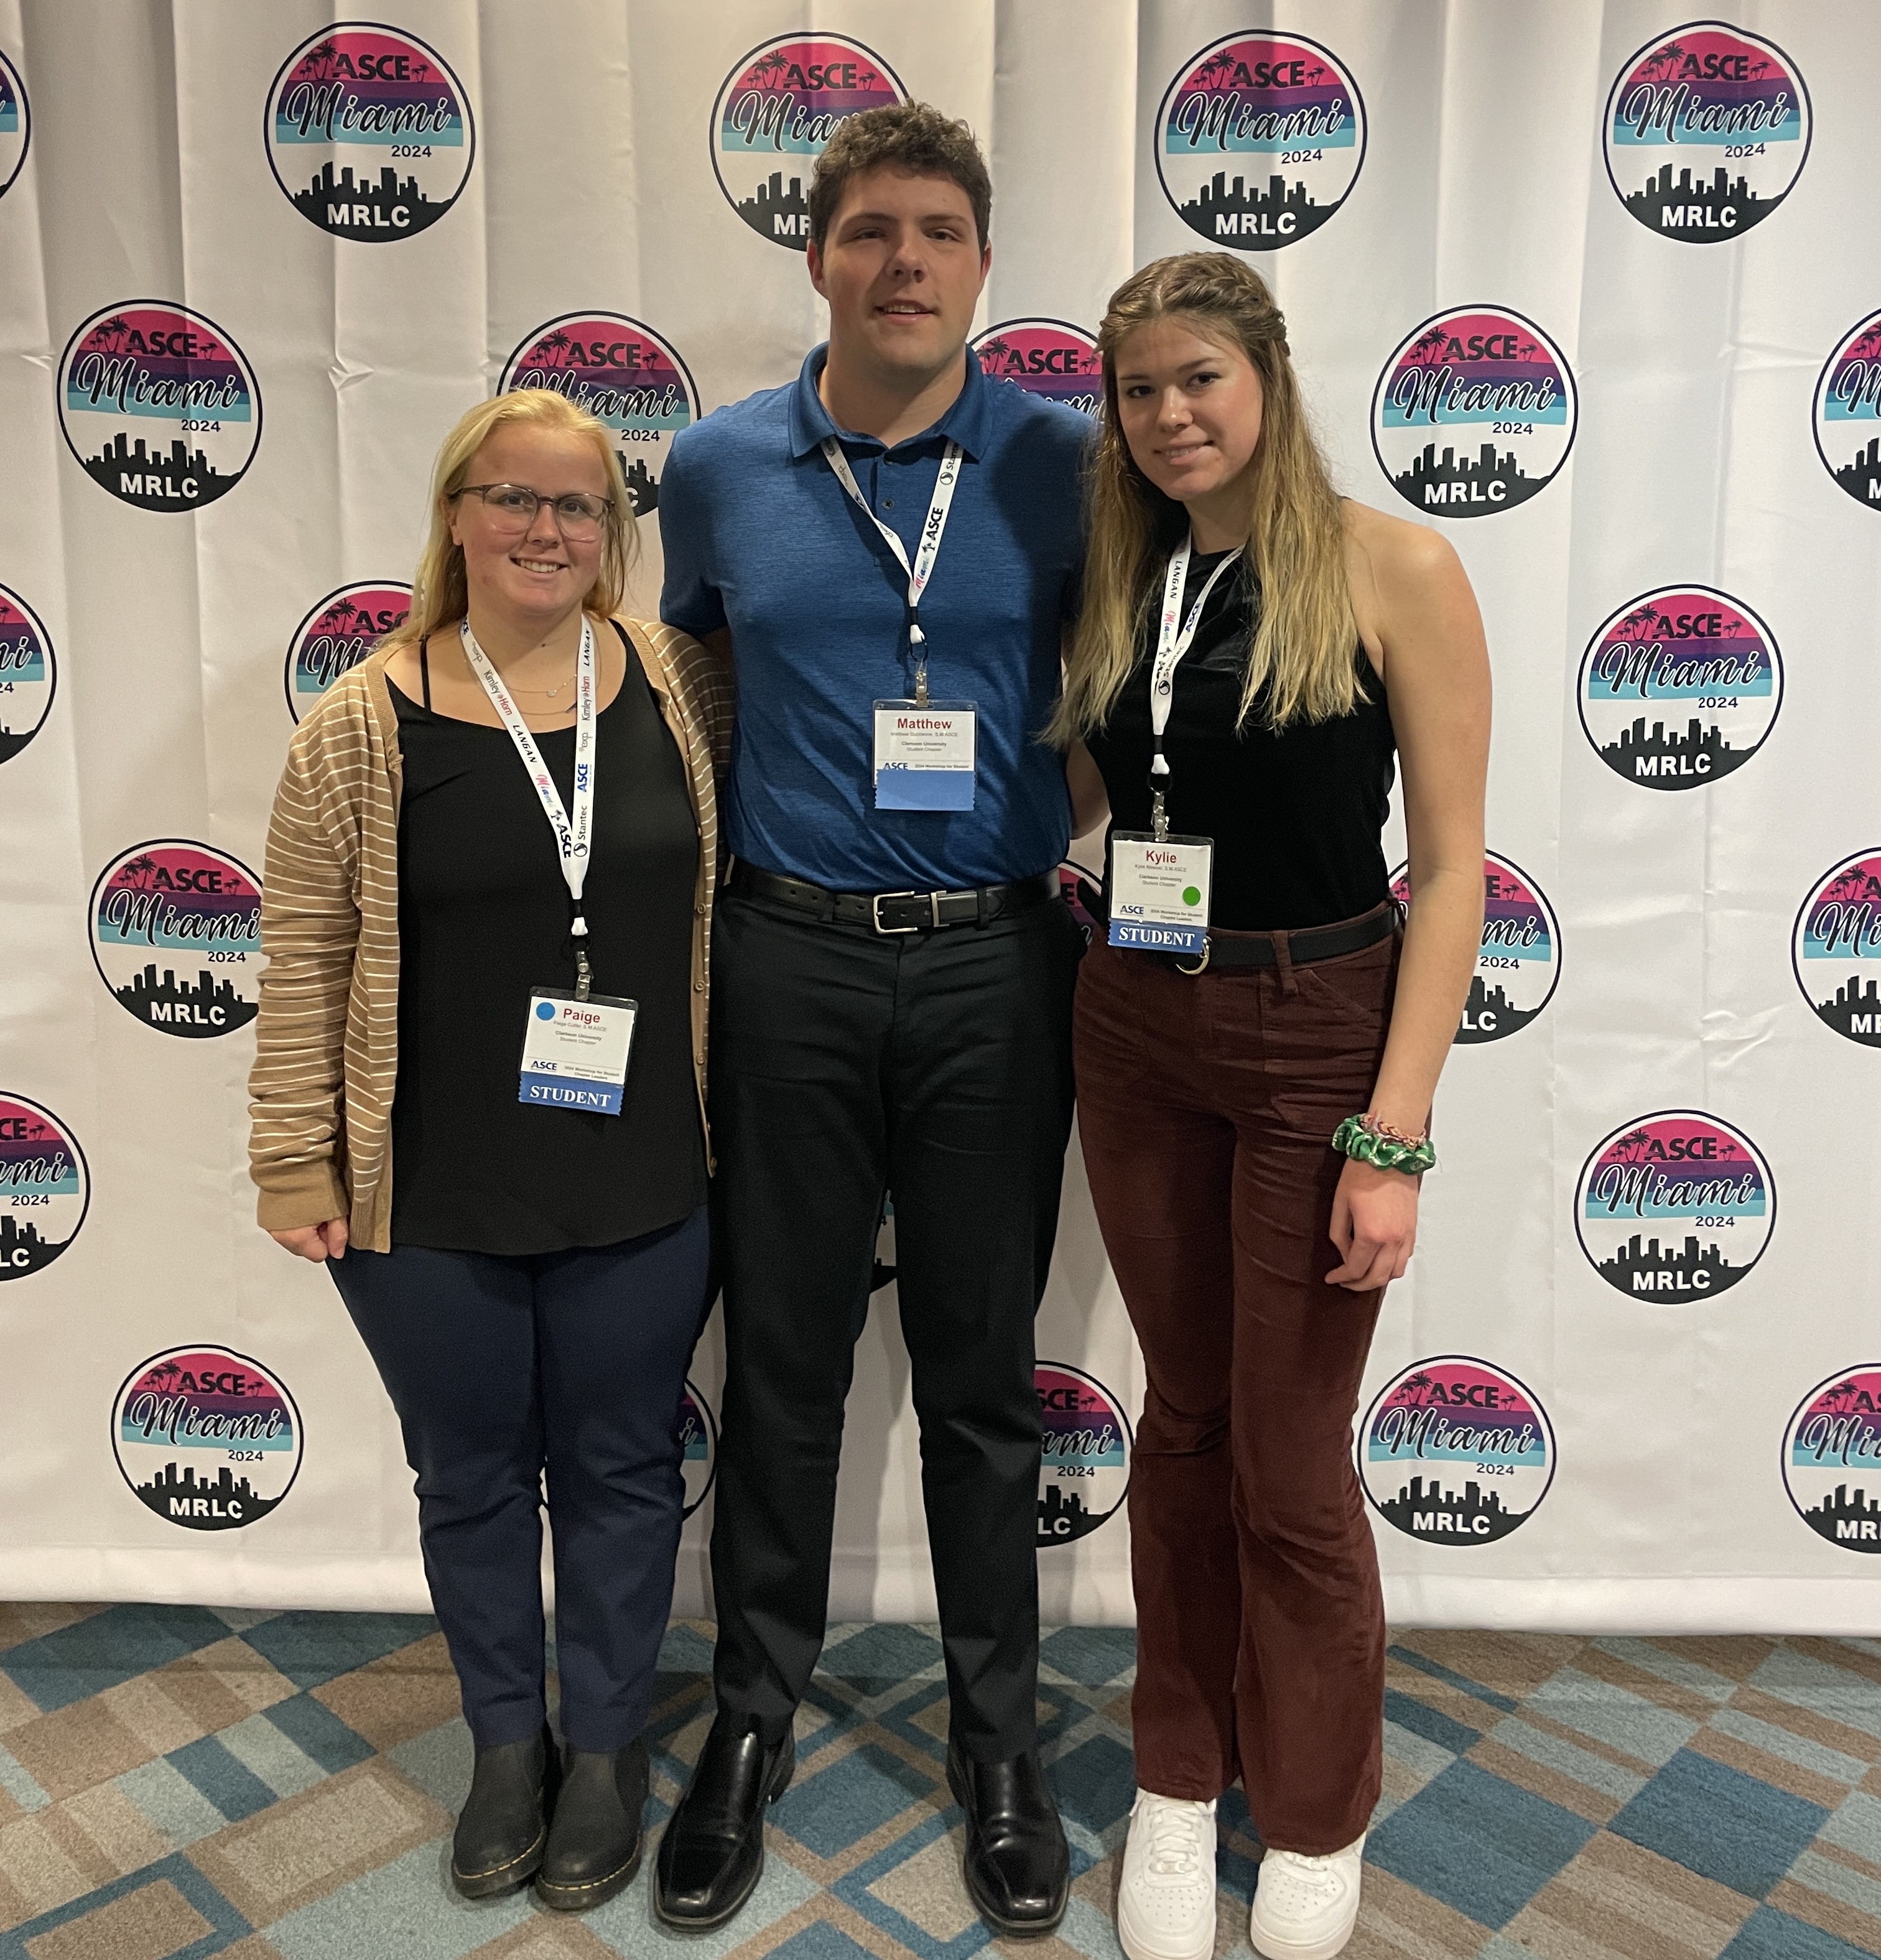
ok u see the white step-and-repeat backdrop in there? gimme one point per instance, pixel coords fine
(1596, 289)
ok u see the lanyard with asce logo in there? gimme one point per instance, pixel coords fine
(925, 749)
(1159, 884)
(575, 1044)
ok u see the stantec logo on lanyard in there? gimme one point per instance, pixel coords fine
(925, 749)
(575, 1044)
(1159, 884)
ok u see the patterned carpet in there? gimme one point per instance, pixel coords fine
(176, 1782)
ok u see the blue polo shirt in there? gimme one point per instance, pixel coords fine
(760, 536)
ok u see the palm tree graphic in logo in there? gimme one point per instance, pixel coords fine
(1414, 1389)
(1638, 624)
(165, 1372)
(992, 352)
(317, 63)
(1428, 347)
(1661, 63)
(338, 617)
(139, 875)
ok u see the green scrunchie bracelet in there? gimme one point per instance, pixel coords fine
(1357, 1138)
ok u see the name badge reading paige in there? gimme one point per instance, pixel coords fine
(925, 756)
(1158, 892)
(575, 1052)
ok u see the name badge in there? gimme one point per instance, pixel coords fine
(1158, 892)
(575, 1052)
(924, 756)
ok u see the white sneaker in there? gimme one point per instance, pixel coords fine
(1305, 1908)
(1166, 1901)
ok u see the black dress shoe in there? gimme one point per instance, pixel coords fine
(712, 1854)
(1018, 1864)
(503, 1824)
(593, 1849)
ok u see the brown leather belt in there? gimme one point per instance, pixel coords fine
(891, 913)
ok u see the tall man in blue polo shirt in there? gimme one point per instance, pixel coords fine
(888, 550)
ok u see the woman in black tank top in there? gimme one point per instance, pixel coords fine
(1258, 1040)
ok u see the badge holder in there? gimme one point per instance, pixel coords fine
(1159, 893)
(574, 1050)
(925, 755)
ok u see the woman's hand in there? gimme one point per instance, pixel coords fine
(317, 1243)
(1374, 1226)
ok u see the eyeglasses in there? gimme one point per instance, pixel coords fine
(512, 508)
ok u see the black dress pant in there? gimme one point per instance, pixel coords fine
(844, 1064)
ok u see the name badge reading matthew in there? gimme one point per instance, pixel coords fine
(575, 1052)
(924, 756)
(1158, 892)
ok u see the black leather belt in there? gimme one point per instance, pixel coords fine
(889, 913)
(1303, 946)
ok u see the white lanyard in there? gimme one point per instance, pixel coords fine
(1173, 639)
(574, 835)
(925, 552)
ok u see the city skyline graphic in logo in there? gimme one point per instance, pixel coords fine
(1679, 687)
(1259, 139)
(175, 931)
(698, 1447)
(336, 635)
(1474, 413)
(16, 122)
(207, 1438)
(368, 132)
(621, 371)
(1520, 964)
(1047, 357)
(1847, 413)
(1707, 130)
(159, 405)
(29, 674)
(1835, 948)
(1083, 1452)
(1675, 1206)
(1455, 1450)
(45, 1186)
(773, 115)
(1831, 1459)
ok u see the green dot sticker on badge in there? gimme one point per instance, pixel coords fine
(1191, 896)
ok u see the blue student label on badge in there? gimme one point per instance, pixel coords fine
(574, 1051)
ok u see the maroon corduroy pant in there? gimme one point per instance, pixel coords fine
(1206, 1109)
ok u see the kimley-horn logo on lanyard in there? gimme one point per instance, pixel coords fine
(924, 749)
(575, 1044)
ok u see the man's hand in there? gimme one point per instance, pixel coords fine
(1374, 1226)
(318, 1242)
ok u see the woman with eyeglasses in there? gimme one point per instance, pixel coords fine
(478, 1099)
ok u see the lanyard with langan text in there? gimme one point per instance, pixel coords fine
(925, 552)
(1171, 645)
(574, 832)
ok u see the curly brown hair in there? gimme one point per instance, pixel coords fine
(911, 137)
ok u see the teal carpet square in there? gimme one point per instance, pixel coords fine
(312, 1648)
(1090, 1655)
(1775, 1936)
(107, 1649)
(1484, 1847)
(1095, 1783)
(858, 1793)
(227, 1925)
(1717, 1821)
(316, 1730)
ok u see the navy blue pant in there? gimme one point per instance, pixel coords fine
(501, 1368)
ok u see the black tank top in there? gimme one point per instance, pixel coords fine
(1294, 813)
(483, 917)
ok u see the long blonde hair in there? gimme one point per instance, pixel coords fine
(440, 594)
(1304, 646)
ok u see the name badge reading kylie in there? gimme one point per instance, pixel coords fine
(575, 1052)
(925, 755)
(1158, 892)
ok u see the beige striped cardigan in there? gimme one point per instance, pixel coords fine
(326, 1056)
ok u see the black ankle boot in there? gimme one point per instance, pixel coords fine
(1018, 1866)
(593, 1846)
(504, 1821)
(712, 1853)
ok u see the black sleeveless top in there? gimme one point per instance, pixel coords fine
(483, 918)
(1294, 813)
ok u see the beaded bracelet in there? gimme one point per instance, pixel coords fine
(1373, 1142)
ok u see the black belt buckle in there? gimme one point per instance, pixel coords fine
(889, 931)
